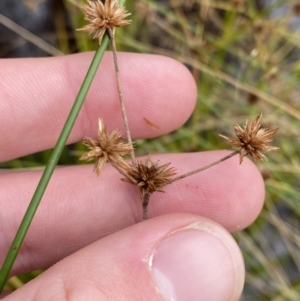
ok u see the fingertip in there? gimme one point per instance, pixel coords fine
(201, 259)
(180, 93)
(241, 193)
(229, 193)
(251, 193)
(159, 92)
(173, 257)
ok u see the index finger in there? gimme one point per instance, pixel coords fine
(36, 96)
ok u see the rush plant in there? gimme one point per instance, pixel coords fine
(147, 175)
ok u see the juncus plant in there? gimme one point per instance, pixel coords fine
(149, 176)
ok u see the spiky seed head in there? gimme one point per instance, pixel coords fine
(108, 147)
(252, 139)
(103, 16)
(150, 176)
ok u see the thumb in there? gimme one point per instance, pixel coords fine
(175, 257)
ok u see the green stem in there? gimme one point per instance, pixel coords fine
(27, 219)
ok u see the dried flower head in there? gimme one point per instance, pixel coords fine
(103, 16)
(253, 139)
(109, 147)
(149, 176)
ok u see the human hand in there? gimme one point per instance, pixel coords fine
(90, 227)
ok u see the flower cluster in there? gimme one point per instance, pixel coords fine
(149, 176)
(108, 147)
(253, 139)
(103, 16)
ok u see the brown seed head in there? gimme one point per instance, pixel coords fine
(102, 16)
(252, 139)
(109, 147)
(150, 176)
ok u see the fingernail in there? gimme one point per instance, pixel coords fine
(199, 262)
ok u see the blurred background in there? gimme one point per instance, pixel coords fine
(245, 58)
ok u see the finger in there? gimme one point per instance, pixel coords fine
(36, 96)
(79, 208)
(175, 257)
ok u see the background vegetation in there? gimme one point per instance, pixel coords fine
(245, 58)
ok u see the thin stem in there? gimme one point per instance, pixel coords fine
(123, 110)
(123, 172)
(145, 212)
(39, 192)
(203, 168)
(145, 202)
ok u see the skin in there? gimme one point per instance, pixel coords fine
(90, 227)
